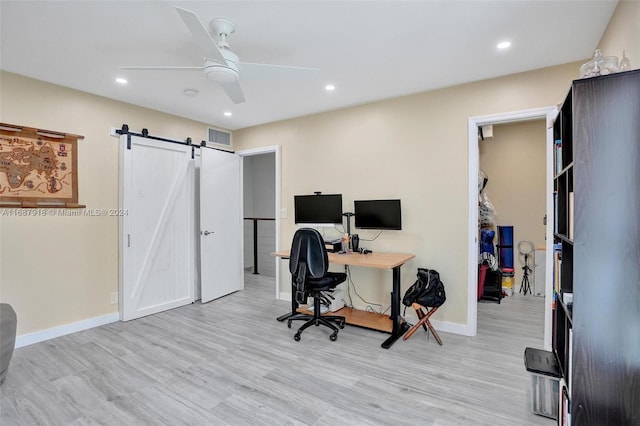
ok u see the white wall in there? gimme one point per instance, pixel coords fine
(259, 181)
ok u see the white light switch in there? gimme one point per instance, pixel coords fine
(283, 213)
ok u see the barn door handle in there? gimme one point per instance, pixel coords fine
(207, 233)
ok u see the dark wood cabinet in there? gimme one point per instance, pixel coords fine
(596, 321)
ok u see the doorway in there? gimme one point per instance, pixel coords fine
(512, 160)
(473, 124)
(261, 219)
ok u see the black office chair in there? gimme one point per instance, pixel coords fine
(308, 264)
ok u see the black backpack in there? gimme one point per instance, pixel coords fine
(428, 290)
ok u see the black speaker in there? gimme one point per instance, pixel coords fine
(355, 242)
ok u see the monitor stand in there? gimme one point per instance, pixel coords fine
(348, 216)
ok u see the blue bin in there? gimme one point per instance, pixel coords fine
(505, 245)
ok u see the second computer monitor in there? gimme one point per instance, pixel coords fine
(378, 214)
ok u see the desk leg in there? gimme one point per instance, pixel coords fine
(399, 327)
(294, 308)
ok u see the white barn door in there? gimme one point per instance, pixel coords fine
(220, 224)
(157, 239)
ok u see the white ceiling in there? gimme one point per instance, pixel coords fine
(370, 50)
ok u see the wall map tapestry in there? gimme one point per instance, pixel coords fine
(37, 167)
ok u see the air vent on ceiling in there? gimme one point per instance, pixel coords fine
(219, 137)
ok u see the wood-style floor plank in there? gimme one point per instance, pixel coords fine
(229, 362)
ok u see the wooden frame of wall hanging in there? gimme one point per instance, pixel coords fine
(38, 168)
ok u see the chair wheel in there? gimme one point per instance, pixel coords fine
(289, 323)
(296, 337)
(341, 325)
(333, 337)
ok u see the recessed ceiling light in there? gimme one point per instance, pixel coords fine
(329, 87)
(190, 93)
(227, 114)
(504, 44)
(121, 80)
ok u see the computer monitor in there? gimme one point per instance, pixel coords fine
(319, 209)
(378, 214)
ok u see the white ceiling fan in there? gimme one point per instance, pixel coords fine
(220, 63)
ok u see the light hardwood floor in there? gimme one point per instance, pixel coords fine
(231, 362)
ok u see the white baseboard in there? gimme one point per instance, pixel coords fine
(445, 326)
(452, 327)
(285, 296)
(50, 333)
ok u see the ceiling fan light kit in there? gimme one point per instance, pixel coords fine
(222, 74)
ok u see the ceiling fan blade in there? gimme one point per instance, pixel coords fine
(234, 92)
(158, 68)
(201, 35)
(277, 71)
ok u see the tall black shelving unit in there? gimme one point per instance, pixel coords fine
(596, 320)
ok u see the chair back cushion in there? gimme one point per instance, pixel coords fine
(308, 248)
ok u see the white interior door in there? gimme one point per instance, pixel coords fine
(220, 224)
(157, 238)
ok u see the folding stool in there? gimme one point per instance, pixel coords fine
(424, 322)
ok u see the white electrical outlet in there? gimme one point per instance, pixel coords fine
(114, 297)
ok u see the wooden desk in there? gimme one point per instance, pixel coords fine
(393, 324)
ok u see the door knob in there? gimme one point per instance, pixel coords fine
(207, 233)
